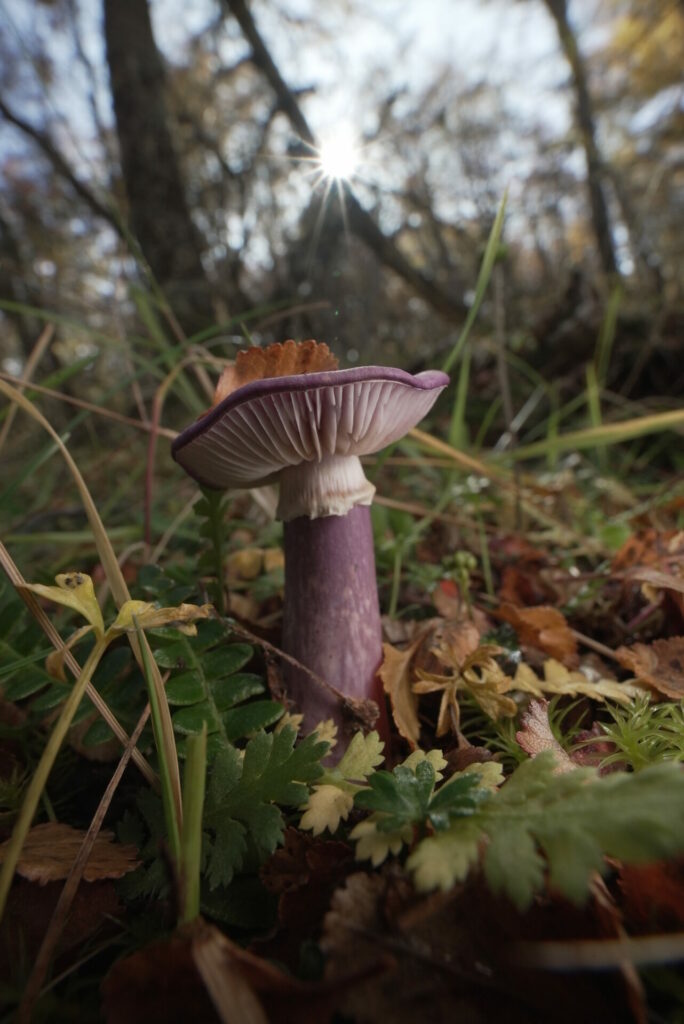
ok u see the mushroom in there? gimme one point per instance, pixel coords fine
(306, 431)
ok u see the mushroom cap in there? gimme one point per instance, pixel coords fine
(268, 425)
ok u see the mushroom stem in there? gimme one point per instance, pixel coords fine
(332, 616)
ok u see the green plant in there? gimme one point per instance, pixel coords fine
(643, 734)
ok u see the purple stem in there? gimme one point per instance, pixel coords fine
(332, 617)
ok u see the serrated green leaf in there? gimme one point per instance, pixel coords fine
(513, 865)
(401, 797)
(539, 823)
(234, 689)
(244, 721)
(227, 852)
(191, 719)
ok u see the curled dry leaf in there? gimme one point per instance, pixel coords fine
(278, 360)
(542, 627)
(473, 668)
(50, 851)
(396, 675)
(660, 665)
(536, 736)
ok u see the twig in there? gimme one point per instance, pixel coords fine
(68, 893)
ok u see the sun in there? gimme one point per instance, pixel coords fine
(338, 155)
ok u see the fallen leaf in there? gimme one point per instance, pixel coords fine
(304, 873)
(536, 736)
(650, 547)
(542, 627)
(278, 360)
(51, 848)
(474, 669)
(560, 680)
(659, 665)
(396, 675)
(653, 581)
(653, 895)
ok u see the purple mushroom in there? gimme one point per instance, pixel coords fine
(306, 432)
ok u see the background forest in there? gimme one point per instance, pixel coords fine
(174, 149)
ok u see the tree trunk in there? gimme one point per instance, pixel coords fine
(158, 211)
(585, 123)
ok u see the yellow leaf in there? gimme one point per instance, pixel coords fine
(327, 732)
(373, 845)
(559, 679)
(363, 754)
(442, 860)
(148, 616)
(274, 558)
(291, 720)
(326, 806)
(395, 673)
(435, 757)
(245, 564)
(54, 663)
(74, 590)
(491, 773)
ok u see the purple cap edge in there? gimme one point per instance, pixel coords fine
(428, 380)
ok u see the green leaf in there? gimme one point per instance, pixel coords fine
(171, 656)
(186, 688)
(227, 852)
(405, 797)
(28, 682)
(235, 689)
(53, 696)
(223, 661)
(191, 719)
(401, 796)
(562, 826)
(247, 790)
(250, 718)
(99, 732)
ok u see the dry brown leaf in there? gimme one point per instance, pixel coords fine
(659, 665)
(396, 675)
(652, 582)
(536, 736)
(51, 848)
(650, 547)
(542, 627)
(278, 360)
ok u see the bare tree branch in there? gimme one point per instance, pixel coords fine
(360, 221)
(62, 167)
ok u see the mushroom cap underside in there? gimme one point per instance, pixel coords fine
(267, 425)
